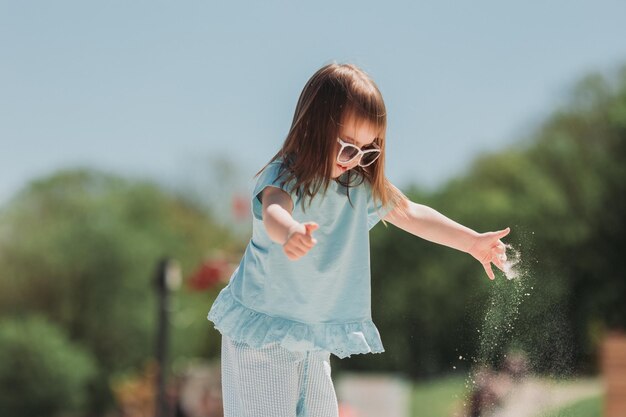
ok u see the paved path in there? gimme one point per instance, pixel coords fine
(373, 395)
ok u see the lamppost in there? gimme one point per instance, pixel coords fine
(167, 278)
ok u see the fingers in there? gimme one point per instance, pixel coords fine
(300, 244)
(294, 253)
(298, 247)
(304, 242)
(498, 252)
(498, 256)
(499, 262)
(499, 248)
(310, 228)
(489, 249)
(489, 271)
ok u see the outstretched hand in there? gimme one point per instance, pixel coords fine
(488, 249)
(300, 240)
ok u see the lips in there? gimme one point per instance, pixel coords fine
(343, 169)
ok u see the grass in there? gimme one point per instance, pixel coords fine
(442, 397)
(590, 407)
(439, 398)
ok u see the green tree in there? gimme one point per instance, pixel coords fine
(80, 247)
(563, 192)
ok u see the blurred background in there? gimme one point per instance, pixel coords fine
(130, 133)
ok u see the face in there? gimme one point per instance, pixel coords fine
(357, 132)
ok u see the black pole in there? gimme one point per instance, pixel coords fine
(161, 409)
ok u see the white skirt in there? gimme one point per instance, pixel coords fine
(276, 382)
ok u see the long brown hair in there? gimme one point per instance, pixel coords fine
(332, 93)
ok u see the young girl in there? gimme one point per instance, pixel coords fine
(302, 289)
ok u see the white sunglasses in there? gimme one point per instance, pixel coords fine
(349, 152)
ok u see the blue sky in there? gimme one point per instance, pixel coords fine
(157, 89)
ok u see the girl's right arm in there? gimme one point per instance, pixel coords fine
(295, 237)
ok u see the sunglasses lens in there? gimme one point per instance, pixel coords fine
(369, 157)
(348, 153)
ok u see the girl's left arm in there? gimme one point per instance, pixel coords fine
(429, 224)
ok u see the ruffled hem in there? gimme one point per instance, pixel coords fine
(258, 330)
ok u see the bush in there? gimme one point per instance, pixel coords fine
(41, 371)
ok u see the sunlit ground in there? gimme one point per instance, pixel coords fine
(535, 397)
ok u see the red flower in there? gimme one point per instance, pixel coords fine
(240, 207)
(208, 275)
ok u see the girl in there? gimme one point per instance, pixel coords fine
(302, 289)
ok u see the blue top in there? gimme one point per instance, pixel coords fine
(318, 302)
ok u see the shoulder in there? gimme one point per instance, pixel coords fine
(271, 172)
(274, 195)
(273, 185)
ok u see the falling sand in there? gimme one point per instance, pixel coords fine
(502, 311)
(497, 330)
(511, 268)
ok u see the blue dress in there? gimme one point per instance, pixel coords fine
(321, 301)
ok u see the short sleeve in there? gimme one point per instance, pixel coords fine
(375, 210)
(269, 178)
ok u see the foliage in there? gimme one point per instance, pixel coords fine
(563, 192)
(81, 247)
(41, 372)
